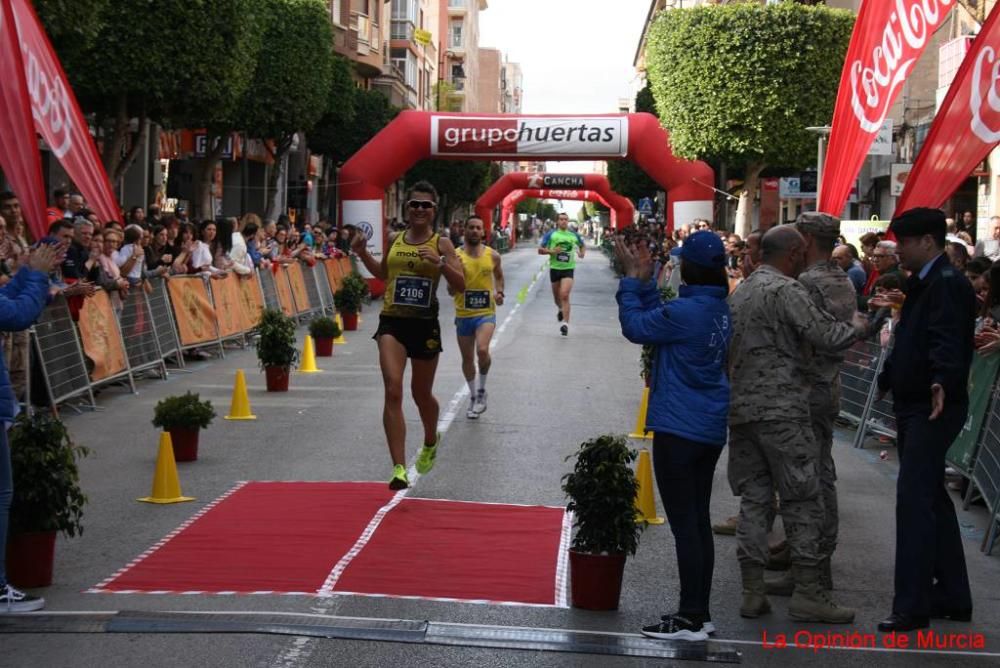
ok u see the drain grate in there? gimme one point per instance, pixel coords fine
(357, 628)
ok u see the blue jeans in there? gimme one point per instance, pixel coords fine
(6, 494)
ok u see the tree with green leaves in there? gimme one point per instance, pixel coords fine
(740, 83)
(627, 178)
(186, 64)
(291, 83)
(445, 98)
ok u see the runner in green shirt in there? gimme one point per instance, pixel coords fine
(563, 246)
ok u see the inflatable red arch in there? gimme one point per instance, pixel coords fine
(515, 181)
(511, 201)
(415, 135)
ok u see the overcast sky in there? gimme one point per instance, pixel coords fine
(576, 55)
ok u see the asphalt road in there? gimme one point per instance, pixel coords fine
(547, 394)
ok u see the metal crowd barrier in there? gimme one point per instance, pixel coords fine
(323, 288)
(61, 356)
(138, 334)
(163, 322)
(312, 289)
(268, 289)
(975, 453)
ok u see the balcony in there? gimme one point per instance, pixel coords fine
(458, 7)
(361, 43)
(402, 29)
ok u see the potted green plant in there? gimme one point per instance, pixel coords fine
(276, 350)
(324, 330)
(601, 491)
(353, 290)
(47, 496)
(184, 416)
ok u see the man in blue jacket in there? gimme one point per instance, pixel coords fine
(928, 373)
(21, 302)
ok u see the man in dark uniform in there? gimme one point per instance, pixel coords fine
(928, 373)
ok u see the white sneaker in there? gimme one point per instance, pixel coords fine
(480, 404)
(471, 412)
(15, 600)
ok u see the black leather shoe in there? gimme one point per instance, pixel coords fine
(952, 614)
(902, 623)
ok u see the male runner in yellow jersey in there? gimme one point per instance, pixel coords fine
(476, 310)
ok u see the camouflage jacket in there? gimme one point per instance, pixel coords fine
(774, 324)
(831, 291)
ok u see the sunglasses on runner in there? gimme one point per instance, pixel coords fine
(421, 204)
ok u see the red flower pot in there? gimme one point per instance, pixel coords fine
(30, 557)
(185, 442)
(350, 321)
(324, 347)
(596, 580)
(276, 378)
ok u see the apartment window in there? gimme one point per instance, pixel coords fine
(405, 10)
(359, 7)
(335, 9)
(456, 36)
(456, 3)
(404, 61)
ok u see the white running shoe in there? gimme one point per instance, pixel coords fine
(480, 404)
(471, 413)
(15, 600)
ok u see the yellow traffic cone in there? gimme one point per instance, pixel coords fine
(239, 407)
(640, 419)
(645, 503)
(309, 358)
(166, 485)
(340, 340)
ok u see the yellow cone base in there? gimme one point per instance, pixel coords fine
(340, 340)
(640, 418)
(239, 407)
(645, 503)
(166, 484)
(309, 358)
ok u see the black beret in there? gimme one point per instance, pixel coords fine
(918, 222)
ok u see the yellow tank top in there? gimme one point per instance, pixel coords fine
(411, 291)
(477, 300)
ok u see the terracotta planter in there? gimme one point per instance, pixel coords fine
(324, 347)
(350, 321)
(596, 580)
(276, 378)
(185, 442)
(29, 559)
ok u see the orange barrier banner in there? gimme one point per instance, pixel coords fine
(228, 312)
(196, 321)
(102, 342)
(283, 289)
(298, 283)
(333, 274)
(345, 266)
(251, 301)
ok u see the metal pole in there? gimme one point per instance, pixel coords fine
(820, 159)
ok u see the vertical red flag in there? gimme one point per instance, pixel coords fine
(57, 115)
(888, 38)
(19, 156)
(966, 128)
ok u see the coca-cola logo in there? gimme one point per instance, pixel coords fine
(50, 105)
(980, 127)
(876, 77)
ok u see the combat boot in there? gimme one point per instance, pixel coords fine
(810, 603)
(755, 601)
(826, 574)
(783, 585)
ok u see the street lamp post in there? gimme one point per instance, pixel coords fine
(823, 131)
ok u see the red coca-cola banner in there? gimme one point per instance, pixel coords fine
(57, 115)
(966, 128)
(19, 157)
(888, 38)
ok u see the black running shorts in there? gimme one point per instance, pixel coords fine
(420, 336)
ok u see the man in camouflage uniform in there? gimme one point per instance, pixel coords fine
(831, 291)
(771, 442)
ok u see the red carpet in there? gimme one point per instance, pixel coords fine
(288, 537)
(266, 536)
(468, 551)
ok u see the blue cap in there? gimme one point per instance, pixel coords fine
(704, 248)
(675, 251)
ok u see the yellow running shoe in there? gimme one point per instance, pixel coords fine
(399, 478)
(425, 460)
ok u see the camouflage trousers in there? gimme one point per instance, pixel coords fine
(764, 456)
(15, 352)
(824, 405)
